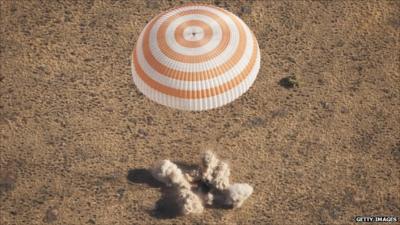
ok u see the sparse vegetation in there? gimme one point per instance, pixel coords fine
(290, 81)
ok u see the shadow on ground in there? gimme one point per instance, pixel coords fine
(143, 176)
(167, 206)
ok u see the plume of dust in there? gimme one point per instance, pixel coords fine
(237, 193)
(189, 202)
(169, 173)
(214, 171)
(208, 198)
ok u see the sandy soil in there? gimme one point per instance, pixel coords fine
(77, 136)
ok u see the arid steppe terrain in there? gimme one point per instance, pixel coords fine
(77, 137)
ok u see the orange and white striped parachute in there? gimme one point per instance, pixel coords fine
(195, 57)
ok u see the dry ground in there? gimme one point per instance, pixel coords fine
(73, 124)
